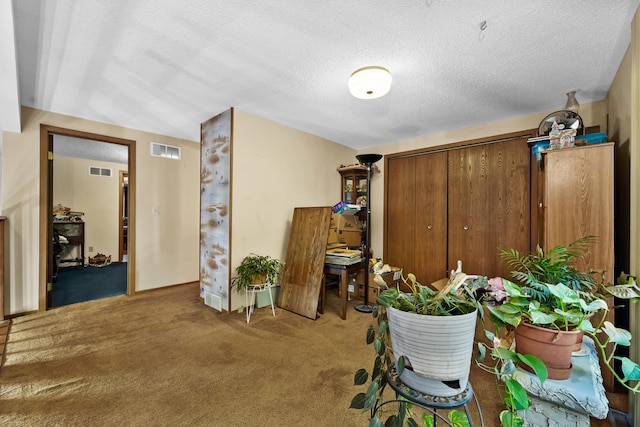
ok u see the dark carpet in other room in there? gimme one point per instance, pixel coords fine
(75, 285)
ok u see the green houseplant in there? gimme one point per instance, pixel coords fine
(456, 300)
(543, 299)
(256, 269)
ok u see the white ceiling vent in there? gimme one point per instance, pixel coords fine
(164, 150)
(98, 171)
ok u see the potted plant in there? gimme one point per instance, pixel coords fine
(556, 308)
(395, 310)
(256, 269)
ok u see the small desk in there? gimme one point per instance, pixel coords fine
(343, 271)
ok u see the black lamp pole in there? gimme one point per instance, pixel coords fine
(368, 160)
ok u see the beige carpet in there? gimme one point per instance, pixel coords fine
(162, 358)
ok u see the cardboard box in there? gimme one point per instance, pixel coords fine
(345, 222)
(350, 238)
(374, 291)
(333, 235)
(392, 278)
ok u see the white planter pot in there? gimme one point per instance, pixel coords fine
(438, 348)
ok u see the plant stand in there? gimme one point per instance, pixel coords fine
(569, 402)
(428, 402)
(250, 301)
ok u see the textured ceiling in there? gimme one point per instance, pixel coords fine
(165, 66)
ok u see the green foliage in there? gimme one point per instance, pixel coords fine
(254, 267)
(535, 270)
(451, 301)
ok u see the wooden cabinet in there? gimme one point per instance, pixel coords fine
(354, 185)
(457, 203)
(575, 199)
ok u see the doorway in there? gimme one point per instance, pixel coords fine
(47, 253)
(123, 216)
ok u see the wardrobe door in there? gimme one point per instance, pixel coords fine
(578, 201)
(400, 213)
(488, 199)
(431, 217)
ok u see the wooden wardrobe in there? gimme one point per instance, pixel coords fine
(458, 202)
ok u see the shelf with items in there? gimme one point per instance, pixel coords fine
(354, 186)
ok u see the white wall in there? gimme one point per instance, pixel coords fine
(276, 169)
(96, 196)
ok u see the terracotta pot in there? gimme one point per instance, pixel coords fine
(438, 348)
(553, 347)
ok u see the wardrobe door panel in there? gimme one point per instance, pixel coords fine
(488, 205)
(431, 217)
(400, 217)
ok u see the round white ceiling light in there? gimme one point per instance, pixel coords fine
(370, 82)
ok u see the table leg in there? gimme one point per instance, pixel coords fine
(344, 281)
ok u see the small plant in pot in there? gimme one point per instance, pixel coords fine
(256, 269)
(393, 311)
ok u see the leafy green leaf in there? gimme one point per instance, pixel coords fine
(401, 365)
(360, 377)
(458, 419)
(375, 422)
(536, 364)
(540, 318)
(379, 346)
(509, 419)
(617, 335)
(630, 369)
(383, 327)
(518, 393)
(482, 352)
(371, 335)
(358, 401)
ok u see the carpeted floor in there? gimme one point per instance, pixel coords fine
(163, 358)
(82, 284)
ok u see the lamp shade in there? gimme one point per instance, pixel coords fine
(370, 82)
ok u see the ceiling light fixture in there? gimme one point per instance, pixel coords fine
(370, 82)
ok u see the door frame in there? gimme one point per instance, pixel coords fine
(46, 207)
(122, 247)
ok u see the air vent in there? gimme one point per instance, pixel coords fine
(213, 300)
(98, 171)
(166, 151)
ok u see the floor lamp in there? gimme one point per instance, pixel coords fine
(368, 160)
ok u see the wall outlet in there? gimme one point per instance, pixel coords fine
(90, 248)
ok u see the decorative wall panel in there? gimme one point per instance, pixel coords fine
(215, 209)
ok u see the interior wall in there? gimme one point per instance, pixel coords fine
(166, 243)
(96, 196)
(634, 191)
(275, 169)
(592, 114)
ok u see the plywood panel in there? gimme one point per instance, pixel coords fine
(304, 264)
